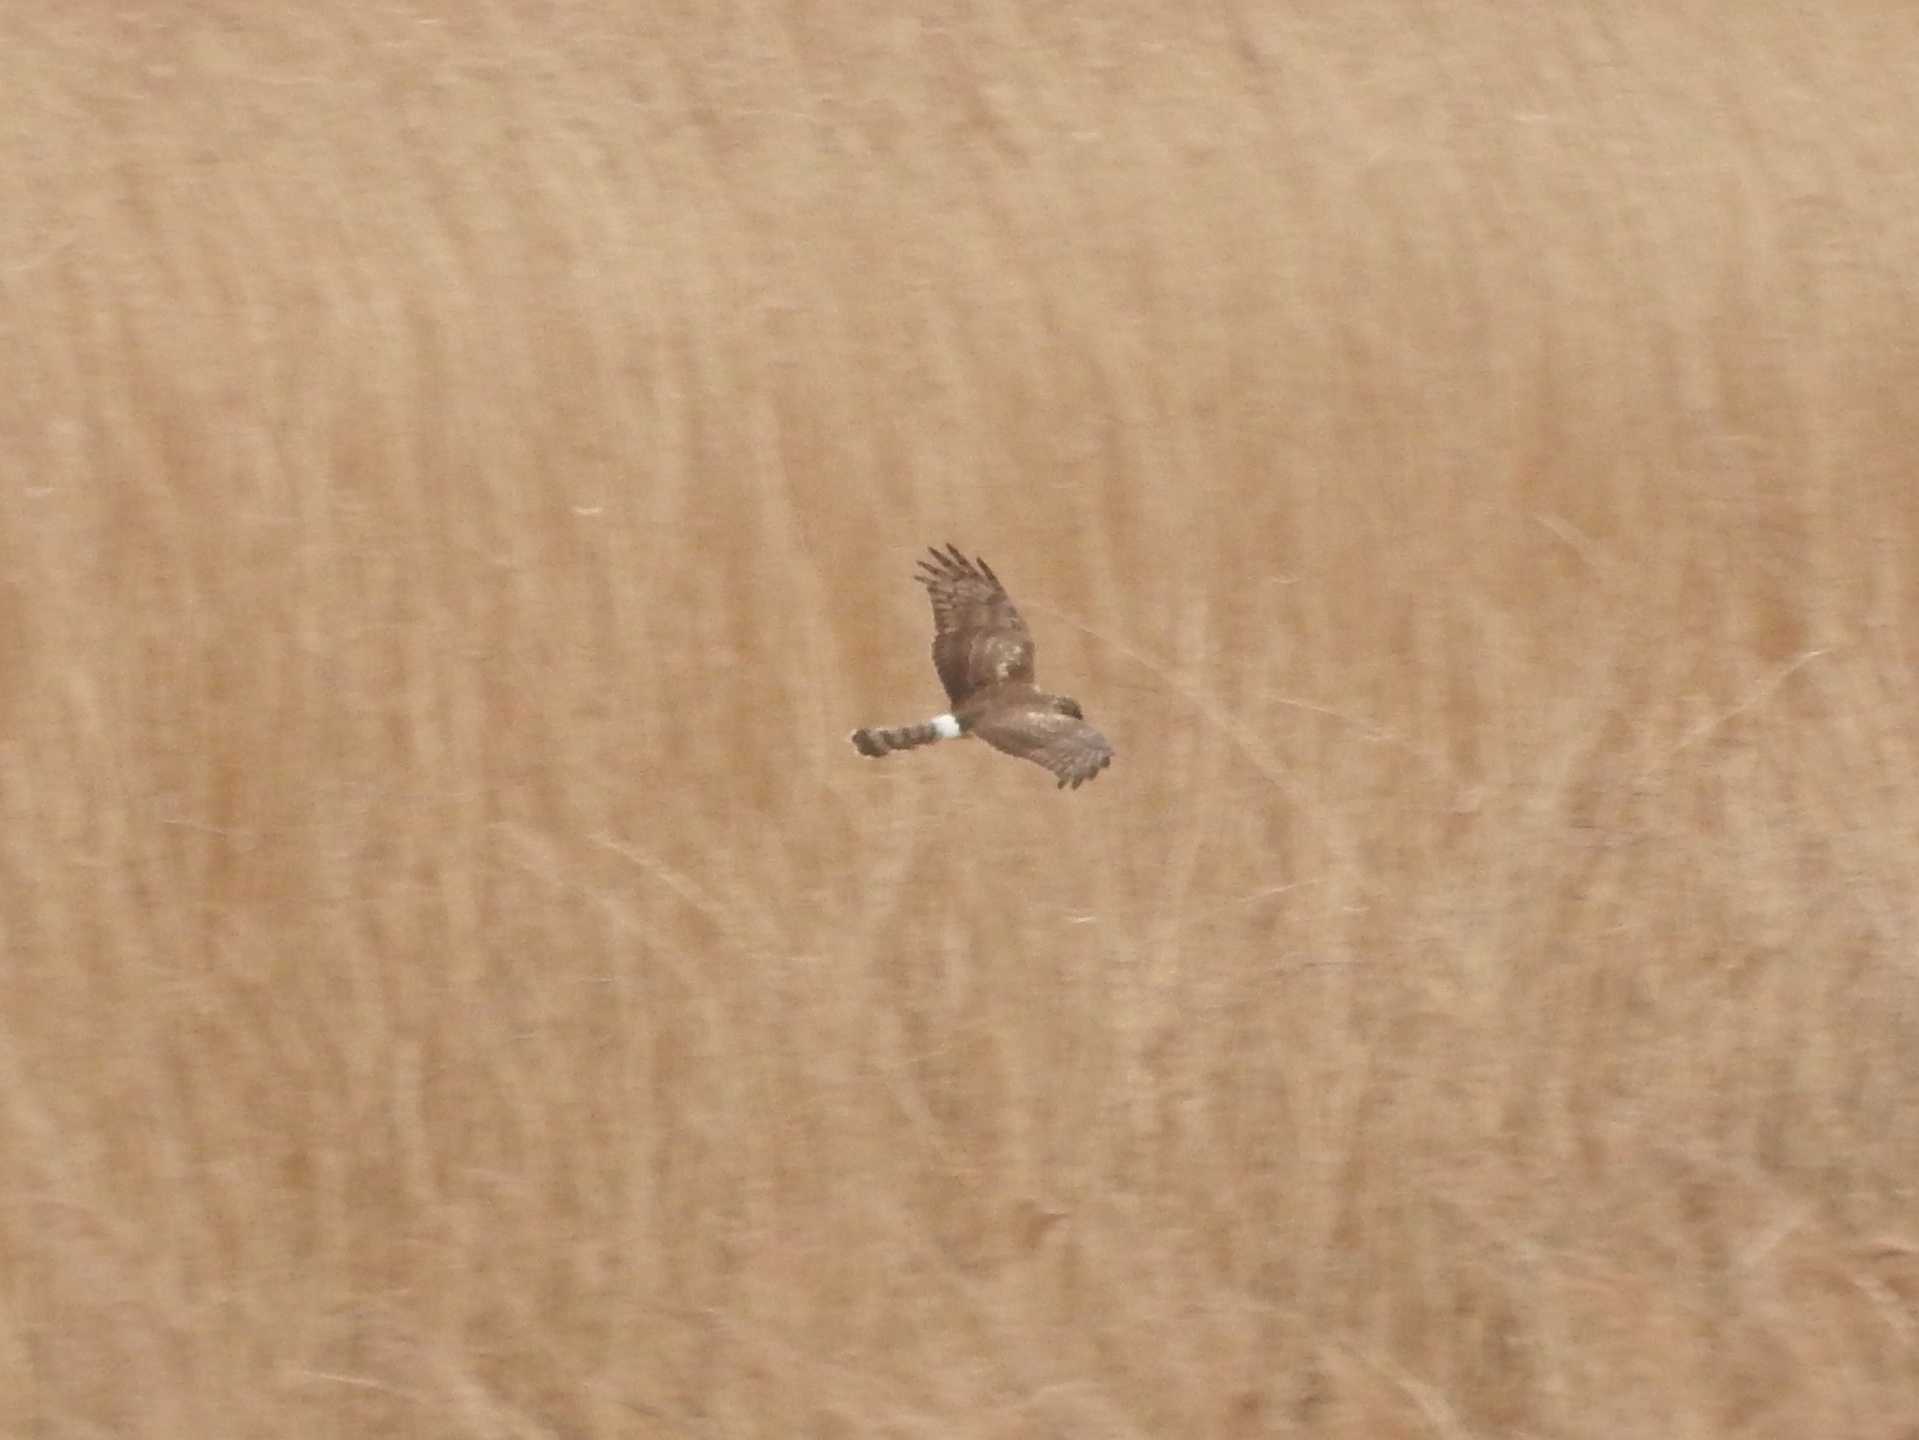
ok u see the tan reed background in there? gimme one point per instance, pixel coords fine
(463, 465)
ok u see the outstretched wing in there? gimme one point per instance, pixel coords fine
(978, 637)
(1073, 750)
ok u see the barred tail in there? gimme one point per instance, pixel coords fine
(881, 741)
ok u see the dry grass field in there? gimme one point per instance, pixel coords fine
(463, 470)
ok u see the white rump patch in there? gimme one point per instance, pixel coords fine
(946, 727)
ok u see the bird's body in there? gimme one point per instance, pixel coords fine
(983, 653)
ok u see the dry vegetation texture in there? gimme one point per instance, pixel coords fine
(463, 467)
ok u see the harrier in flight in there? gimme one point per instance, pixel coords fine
(984, 654)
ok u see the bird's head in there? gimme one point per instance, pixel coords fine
(1068, 707)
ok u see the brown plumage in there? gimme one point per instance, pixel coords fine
(984, 655)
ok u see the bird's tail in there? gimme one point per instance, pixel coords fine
(880, 740)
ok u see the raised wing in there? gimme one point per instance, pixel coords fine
(1073, 750)
(979, 639)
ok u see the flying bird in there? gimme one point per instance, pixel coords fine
(984, 655)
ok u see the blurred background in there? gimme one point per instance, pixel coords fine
(464, 468)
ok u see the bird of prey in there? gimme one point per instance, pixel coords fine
(984, 655)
